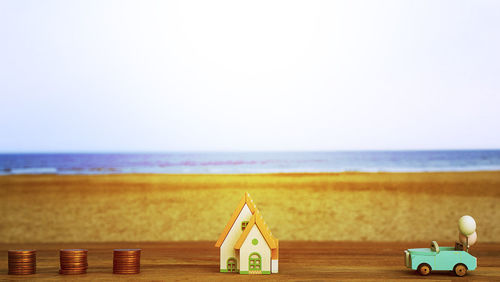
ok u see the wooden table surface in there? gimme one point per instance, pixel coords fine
(298, 261)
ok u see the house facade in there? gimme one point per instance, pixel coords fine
(257, 248)
(246, 244)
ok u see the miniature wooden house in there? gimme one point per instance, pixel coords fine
(246, 244)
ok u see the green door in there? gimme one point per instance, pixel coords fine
(254, 262)
(231, 265)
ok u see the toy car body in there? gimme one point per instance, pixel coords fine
(425, 260)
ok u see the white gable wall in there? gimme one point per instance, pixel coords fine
(248, 248)
(227, 248)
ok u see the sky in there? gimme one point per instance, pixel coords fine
(90, 76)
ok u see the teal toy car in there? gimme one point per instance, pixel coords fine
(425, 260)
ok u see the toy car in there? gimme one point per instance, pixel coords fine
(425, 260)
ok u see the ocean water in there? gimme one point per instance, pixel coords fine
(254, 162)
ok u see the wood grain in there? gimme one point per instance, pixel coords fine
(172, 261)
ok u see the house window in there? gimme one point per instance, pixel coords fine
(244, 225)
(255, 242)
(254, 262)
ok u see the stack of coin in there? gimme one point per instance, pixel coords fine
(126, 261)
(73, 261)
(22, 262)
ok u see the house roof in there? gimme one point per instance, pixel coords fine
(245, 200)
(263, 228)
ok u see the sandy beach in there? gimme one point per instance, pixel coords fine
(326, 206)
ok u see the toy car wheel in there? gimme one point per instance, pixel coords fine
(460, 269)
(424, 269)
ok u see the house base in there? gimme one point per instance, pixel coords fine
(255, 272)
(225, 270)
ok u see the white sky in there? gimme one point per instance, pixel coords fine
(249, 75)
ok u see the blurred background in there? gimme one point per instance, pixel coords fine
(345, 120)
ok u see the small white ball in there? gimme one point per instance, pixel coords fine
(467, 225)
(472, 238)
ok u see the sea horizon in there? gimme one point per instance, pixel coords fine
(250, 162)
